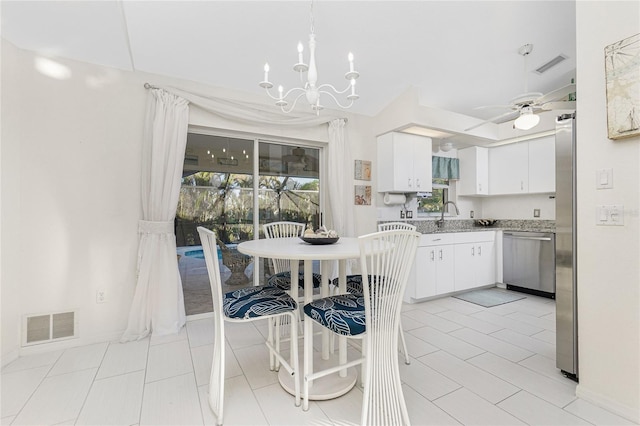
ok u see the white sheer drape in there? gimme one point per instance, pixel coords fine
(339, 180)
(158, 304)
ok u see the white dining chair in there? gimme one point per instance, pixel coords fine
(375, 314)
(281, 276)
(242, 305)
(354, 282)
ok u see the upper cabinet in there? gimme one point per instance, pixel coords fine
(542, 165)
(474, 171)
(404, 163)
(519, 168)
(508, 169)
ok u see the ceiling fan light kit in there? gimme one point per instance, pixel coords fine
(527, 120)
(311, 90)
(524, 106)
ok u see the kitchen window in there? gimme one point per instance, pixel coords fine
(432, 204)
(444, 169)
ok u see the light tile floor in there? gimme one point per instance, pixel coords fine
(471, 365)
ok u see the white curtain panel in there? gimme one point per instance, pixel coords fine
(340, 187)
(158, 303)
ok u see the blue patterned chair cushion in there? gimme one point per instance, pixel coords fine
(354, 283)
(252, 302)
(282, 280)
(343, 314)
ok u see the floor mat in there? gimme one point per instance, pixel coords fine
(489, 297)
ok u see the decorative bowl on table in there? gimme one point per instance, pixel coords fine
(319, 240)
(320, 237)
(485, 222)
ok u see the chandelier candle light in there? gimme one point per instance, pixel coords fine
(311, 90)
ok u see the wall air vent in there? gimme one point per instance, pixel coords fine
(46, 328)
(552, 63)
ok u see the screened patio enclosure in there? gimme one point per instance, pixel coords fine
(226, 189)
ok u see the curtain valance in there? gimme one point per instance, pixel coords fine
(445, 168)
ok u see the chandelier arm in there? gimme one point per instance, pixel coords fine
(292, 90)
(295, 101)
(336, 99)
(338, 92)
(275, 98)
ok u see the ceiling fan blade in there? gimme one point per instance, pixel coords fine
(556, 94)
(549, 106)
(492, 119)
(493, 107)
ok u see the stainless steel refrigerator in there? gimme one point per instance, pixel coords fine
(566, 277)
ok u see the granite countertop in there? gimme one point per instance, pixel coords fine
(468, 225)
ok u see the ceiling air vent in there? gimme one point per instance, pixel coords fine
(49, 327)
(552, 63)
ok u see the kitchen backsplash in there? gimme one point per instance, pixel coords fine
(429, 226)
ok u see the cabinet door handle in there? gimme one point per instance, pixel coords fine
(433, 255)
(479, 187)
(473, 251)
(479, 251)
(440, 254)
(418, 183)
(409, 182)
(521, 185)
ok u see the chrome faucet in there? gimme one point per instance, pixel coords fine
(440, 222)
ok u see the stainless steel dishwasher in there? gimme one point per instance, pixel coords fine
(529, 262)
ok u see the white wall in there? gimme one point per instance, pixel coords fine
(9, 232)
(519, 207)
(608, 257)
(71, 196)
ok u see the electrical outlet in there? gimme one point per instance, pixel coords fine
(536, 212)
(401, 214)
(101, 296)
(471, 214)
(409, 214)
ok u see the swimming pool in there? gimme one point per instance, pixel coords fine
(198, 253)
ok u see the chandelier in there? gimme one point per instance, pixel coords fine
(310, 89)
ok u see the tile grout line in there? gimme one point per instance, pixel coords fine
(93, 380)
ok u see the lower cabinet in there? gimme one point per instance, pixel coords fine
(451, 262)
(476, 265)
(434, 271)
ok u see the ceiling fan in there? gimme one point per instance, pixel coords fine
(524, 106)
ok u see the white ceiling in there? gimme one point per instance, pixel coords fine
(459, 54)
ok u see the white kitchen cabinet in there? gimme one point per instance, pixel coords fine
(450, 262)
(404, 163)
(542, 165)
(433, 269)
(475, 260)
(474, 171)
(509, 169)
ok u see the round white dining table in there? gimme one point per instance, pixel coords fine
(296, 250)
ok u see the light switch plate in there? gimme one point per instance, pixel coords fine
(612, 215)
(604, 178)
(536, 212)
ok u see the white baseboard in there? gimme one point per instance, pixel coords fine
(197, 317)
(608, 404)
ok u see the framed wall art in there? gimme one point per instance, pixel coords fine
(362, 170)
(622, 69)
(362, 195)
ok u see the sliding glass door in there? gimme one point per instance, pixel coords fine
(219, 185)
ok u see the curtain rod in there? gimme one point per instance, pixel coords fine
(149, 86)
